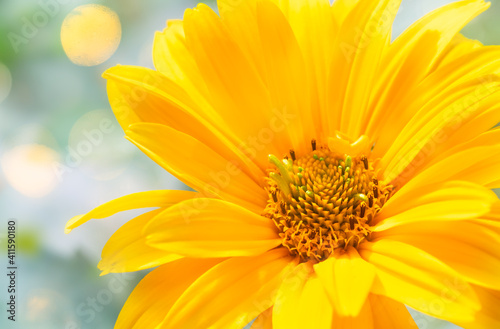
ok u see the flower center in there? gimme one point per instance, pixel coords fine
(323, 201)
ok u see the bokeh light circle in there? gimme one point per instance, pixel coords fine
(96, 146)
(30, 169)
(90, 34)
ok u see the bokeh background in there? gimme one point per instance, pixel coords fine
(57, 160)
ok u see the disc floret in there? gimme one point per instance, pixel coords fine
(323, 201)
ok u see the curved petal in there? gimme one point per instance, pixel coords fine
(445, 112)
(455, 200)
(348, 279)
(197, 165)
(127, 250)
(231, 294)
(234, 83)
(159, 198)
(264, 320)
(389, 314)
(364, 319)
(218, 229)
(479, 165)
(458, 47)
(470, 249)
(361, 40)
(172, 58)
(143, 95)
(415, 278)
(317, 46)
(387, 121)
(281, 52)
(302, 302)
(488, 316)
(148, 305)
(470, 135)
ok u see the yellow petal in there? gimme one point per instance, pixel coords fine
(488, 316)
(458, 47)
(364, 319)
(389, 314)
(348, 279)
(454, 106)
(246, 35)
(478, 165)
(358, 51)
(218, 229)
(415, 278)
(139, 94)
(172, 58)
(342, 8)
(317, 47)
(480, 137)
(468, 248)
(302, 302)
(395, 87)
(231, 294)
(407, 198)
(364, 58)
(447, 21)
(197, 165)
(455, 200)
(288, 88)
(160, 198)
(143, 95)
(127, 250)
(235, 84)
(264, 320)
(148, 305)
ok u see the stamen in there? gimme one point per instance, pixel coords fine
(363, 210)
(375, 192)
(370, 201)
(292, 154)
(313, 144)
(283, 207)
(365, 161)
(274, 195)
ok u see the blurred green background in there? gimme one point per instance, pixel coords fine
(46, 104)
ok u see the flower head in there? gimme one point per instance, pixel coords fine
(338, 175)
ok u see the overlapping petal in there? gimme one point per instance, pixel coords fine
(302, 301)
(127, 249)
(388, 116)
(411, 276)
(231, 294)
(159, 198)
(211, 228)
(197, 164)
(348, 279)
(452, 201)
(467, 247)
(149, 303)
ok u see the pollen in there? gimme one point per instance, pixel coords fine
(323, 201)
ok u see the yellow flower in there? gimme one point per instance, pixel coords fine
(339, 176)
